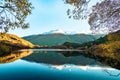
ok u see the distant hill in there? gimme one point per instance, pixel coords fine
(109, 41)
(58, 39)
(10, 42)
(107, 46)
(105, 49)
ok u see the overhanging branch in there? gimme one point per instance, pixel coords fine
(2, 9)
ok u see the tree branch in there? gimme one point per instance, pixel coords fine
(11, 13)
(115, 75)
(2, 9)
(117, 10)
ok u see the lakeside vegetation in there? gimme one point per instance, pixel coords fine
(10, 42)
(111, 39)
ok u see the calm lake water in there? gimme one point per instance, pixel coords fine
(53, 64)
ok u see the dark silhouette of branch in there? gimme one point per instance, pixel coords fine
(110, 74)
(3, 8)
(11, 13)
(117, 10)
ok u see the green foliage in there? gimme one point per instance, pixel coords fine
(71, 45)
(13, 14)
(86, 45)
(58, 39)
(103, 40)
(96, 42)
(108, 44)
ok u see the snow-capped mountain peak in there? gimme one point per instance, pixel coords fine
(57, 31)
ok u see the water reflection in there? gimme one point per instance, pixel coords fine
(7, 58)
(70, 59)
(112, 74)
(110, 71)
(60, 58)
(54, 65)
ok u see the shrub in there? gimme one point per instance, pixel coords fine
(4, 49)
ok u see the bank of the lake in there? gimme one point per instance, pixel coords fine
(10, 42)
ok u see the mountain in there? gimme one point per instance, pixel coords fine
(109, 49)
(108, 43)
(57, 31)
(10, 42)
(58, 39)
(105, 49)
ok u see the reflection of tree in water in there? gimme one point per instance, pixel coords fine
(111, 74)
(113, 62)
(70, 53)
(60, 58)
(14, 56)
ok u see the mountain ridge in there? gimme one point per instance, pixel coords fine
(58, 39)
(60, 31)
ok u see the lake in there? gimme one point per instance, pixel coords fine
(54, 64)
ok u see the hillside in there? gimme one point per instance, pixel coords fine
(58, 39)
(10, 42)
(106, 40)
(109, 44)
(105, 49)
(109, 50)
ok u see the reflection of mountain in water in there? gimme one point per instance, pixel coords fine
(105, 69)
(14, 56)
(59, 58)
(68, 60)
(71, 57)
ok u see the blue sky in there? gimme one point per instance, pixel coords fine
(51, 15)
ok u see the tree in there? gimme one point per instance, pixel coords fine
(104, 16)
(80, 10)
(13, 14)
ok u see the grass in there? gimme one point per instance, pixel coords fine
(10, 42)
